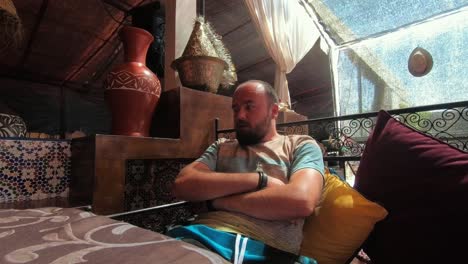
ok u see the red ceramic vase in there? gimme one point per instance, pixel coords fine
(131, 89)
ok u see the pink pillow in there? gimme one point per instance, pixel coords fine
(423, 183)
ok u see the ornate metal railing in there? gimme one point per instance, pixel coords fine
(345, 136)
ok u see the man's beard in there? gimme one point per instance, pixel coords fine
(253, 135)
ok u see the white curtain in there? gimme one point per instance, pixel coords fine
(288, 33)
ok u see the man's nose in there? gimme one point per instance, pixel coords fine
(241, 115)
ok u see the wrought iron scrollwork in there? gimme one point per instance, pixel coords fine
(347, 135)
(448, 125)
(294, 130)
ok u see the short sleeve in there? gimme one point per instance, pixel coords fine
(308, 155)
(210, 156)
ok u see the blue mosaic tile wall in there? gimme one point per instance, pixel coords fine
(34, 169)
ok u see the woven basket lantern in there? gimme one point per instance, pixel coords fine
(203, 64)
(202, 73)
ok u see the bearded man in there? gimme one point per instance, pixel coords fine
(259, 187)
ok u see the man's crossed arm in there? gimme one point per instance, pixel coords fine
(237, 192)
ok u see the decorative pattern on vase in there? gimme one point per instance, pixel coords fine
(34, 169)
(131, 89)
(12, 126)
(127, 80)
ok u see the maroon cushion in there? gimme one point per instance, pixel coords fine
(423, 183)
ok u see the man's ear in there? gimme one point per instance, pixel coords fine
(274, 110)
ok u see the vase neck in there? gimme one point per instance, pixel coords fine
(136, 42)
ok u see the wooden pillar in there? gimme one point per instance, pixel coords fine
(180, 17)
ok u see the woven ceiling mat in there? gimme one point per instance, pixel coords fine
(11, 31)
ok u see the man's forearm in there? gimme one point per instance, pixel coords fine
(291, 201)
(198, 185)
(276, 203)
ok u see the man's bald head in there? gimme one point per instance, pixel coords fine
(267, 89)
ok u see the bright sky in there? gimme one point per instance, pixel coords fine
(383, 34)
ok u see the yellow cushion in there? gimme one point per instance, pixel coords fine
(342, 222)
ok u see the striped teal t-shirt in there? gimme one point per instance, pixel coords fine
(279, 158)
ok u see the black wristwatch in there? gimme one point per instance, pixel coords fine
(262, 180)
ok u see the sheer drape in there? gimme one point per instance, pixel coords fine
(288, 33)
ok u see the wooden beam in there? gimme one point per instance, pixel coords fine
(92, 56)
(264, 60)
(40, 16)
(118, 5)
(311, 91)
(237, 27)
(28, 77)
(43, 79)
(96, 51)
